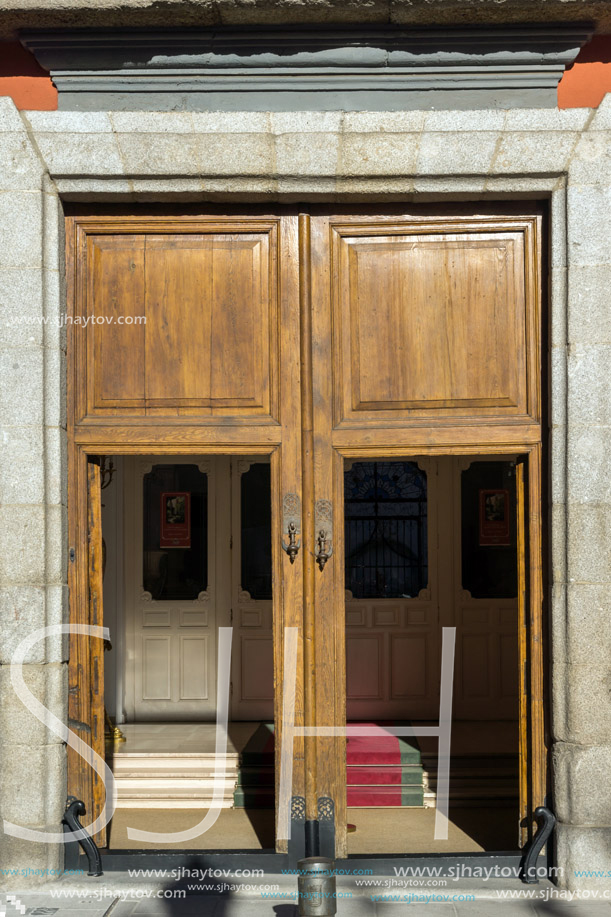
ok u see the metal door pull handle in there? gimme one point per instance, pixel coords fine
(292, 548)
(325, 549)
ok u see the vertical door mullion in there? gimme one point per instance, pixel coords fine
(286, 481)
(328, 625)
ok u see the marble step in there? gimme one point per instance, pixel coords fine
(171, 783)
(147, 762)
(172, 780)
(177, 802)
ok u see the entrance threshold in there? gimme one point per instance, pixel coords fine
(504, 864)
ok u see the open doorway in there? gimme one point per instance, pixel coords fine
(431, 542)
(187, 551)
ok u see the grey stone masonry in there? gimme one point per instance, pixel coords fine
(562, 156)
(32, 493)
(112, 14)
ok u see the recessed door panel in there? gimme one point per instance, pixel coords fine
(257, 668)
(182, 323)
(208, 345)
(364, 667)
(156, 668)
(408, 667)
(432, 322)
(193, 668)
(115, 347)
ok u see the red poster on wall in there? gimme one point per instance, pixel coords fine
(493, 517)
(175, 520)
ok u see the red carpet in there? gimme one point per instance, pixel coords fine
(382, 770)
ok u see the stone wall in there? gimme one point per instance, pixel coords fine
(564, 156)
(109, 14)
(32, 489)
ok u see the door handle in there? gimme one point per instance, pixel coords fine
(323, 517)
(291, 519)
(325, 549)
(292, 548)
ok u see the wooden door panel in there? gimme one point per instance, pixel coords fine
(116, 287)
(208, 322)
(433, 323)
(86, 674)
(181, 323)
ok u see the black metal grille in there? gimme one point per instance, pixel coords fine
(386, 530)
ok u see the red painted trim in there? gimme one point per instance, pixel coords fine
(587, 80)
(24, 80)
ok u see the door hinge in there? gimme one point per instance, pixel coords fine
(231, 615)
(231, 542)
(72, 555)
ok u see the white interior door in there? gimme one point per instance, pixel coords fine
(393, 644)
(170, 600)
(392, 616)
(171, 616)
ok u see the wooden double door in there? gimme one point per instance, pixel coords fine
(315, 337)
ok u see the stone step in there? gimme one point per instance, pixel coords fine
(204, 773)
(170, 783)
(172, 780)
(151, 802)
(139, 762)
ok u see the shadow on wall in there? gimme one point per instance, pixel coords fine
(586, 81)
(22, 78)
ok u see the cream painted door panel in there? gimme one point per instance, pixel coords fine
(171, 638)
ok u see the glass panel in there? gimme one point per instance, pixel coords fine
(386, 530)
(175, 562)
(488, 520)
(256, 544)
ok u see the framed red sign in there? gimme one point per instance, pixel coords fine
(175, 520)
(494, 517)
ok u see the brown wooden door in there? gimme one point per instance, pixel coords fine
(425, 341)
(314, 339)
(184, 339)
(86, 671)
